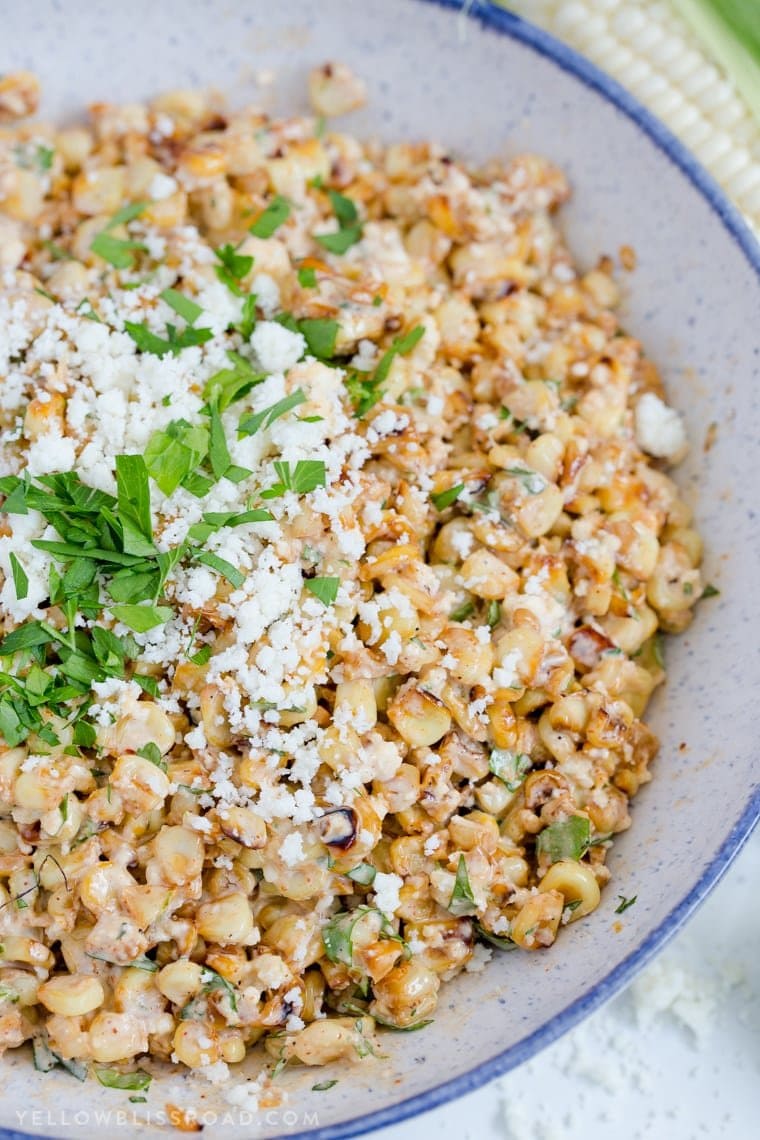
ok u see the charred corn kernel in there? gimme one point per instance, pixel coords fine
(406, 995)
(418, 716)
(576, 883)
(335, 90)
(402, 790)
(335, 1040)
(244, 826)
(19, 95)
(117, 1037)
(536, 923)
(141, 784)
(145, 724)
(98, 190)
(196, 1044)
(226, 921)
(179, 854)
(486, 576)
(15, 948)
(71, 996)
(179, 981)
(73, 144)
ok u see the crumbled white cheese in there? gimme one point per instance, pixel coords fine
(291, 849)
(386, 888)
(277, 348)
(660, 429)
(161, 186)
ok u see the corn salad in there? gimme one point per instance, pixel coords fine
(336, 541)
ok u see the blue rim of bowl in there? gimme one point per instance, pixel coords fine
(507, 24)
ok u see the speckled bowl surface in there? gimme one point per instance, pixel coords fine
(488, 84)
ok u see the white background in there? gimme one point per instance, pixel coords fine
(675, 1057)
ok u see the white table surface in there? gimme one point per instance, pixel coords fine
(675, 1057)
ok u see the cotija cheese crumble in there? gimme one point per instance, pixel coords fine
(335, 541)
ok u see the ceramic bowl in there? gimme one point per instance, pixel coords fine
(487, 83)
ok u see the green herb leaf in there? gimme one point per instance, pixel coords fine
(127, 214)
(251, 424)
(232, 384)
(341, 241)
(233, 266)
(494, 613)
(625, 903)
(509, 767)
(444, 499)
(501, 943)
(142, 618)
(307, 277)
(461, 613)
(462, 899)
(148, 341)
(248, 317)
(710, 591)
(171, 455)
(182, 305)
(152, 752)
(301, 477)
(343, 208)
(323, 1086)
(532, 481)
(20, 578)
(363, 873)
(113, 1079)
(270, 220)
(326, 589)
(133, 492)
(119, 252)
(320, 336)
(566, 839)
(222, 566)
(28, 636)
(401, 346)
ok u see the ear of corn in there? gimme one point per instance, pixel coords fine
(662, 53)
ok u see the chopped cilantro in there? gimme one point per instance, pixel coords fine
(20, 578)
(625, 903)
(270, 220)
(326, 589)
(232, 267)
(251, 424)
(183, 306)
(462, 899)
(307, 277)
(443, 499)
(566, 839)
